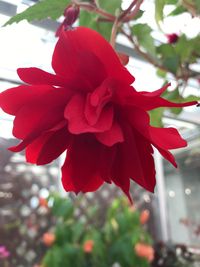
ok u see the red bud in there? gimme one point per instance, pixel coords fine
(172, 38)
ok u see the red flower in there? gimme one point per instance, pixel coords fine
(88, 246)
(90, 109)
(172, 38)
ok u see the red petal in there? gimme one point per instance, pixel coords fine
(67, 57)
(152, 100)
(74, 113)
(167, 155)
(161, 138)
(70, 58)
(13, 99)
(80, 172)
(139, 120)
(37, 76)
(106, 160)
(134, 160)
(112, 136)
(158, 92)
(95, 102)
(42, 114)
(166, 138)
(39, 116)
(158, 102)
(48, 147)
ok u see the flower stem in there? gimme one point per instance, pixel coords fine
(129, 16)
(114, 32)
(93, 8)
(125, 12)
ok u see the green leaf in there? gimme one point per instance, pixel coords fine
(110, 6)
(62, 207)
(169, 57)
(172, 95)
(139, 14)
(181, 99)
(143, 34)
(91, 20)
(159, 6)
(177, 11)
(53, 257)
(165, 50)
(161, 73)
(156, 117)
(197, 3)
(44, 9)
(182, 48)
(186, 49)
(171, 63)
(171, 2)
(191, 98)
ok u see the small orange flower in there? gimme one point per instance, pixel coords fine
(144, 216)
(88, 246)
(144, 251)
(48, 239)
(43, 202)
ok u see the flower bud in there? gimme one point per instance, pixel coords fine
(172, 38)
(71, 14)
(123, 58)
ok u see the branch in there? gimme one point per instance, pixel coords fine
(132, 14)
(127, 15)
(93, 8)
(125, 12)
(190, 73)
(140, 52)
(114, 32)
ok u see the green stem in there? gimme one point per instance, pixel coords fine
(114, 32)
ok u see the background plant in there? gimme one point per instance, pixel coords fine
(78, 243)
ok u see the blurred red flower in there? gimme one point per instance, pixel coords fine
(144, 251)
(88, 246)
(172, 38)
(48, 239)
(90, 109)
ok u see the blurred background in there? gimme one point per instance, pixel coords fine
(33, 206)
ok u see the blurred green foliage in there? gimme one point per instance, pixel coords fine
(113, 242)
